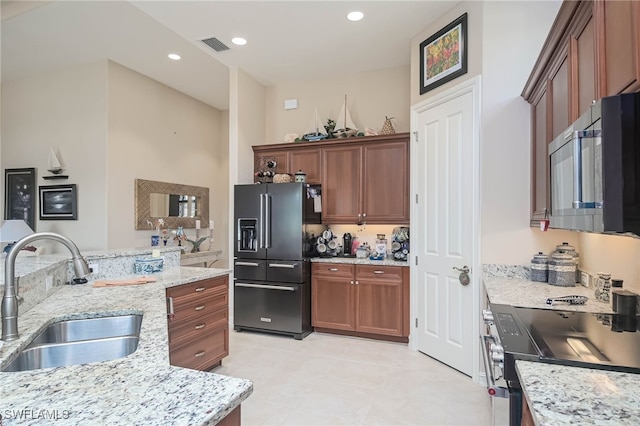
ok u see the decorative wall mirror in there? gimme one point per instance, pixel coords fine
(178, 205)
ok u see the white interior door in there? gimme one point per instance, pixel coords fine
(444, 226)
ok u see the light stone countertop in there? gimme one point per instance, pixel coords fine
(522, 292)
(562, 395)
(141, 388)
(356, 261)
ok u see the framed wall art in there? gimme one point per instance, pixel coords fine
(58, 202)
(443, 56)
(20, 195)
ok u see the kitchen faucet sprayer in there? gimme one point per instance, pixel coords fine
(10, 299)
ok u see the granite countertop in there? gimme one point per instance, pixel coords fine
(141, 388)
(356, 261)
(562, 395)
(522, 292)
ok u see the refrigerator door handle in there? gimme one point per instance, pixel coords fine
(267, 215)
(261, 221)
(266, 287)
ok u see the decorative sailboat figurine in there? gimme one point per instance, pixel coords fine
(54, 167)
(316, 129)
(344, 125)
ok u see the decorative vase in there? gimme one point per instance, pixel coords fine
(155, 240)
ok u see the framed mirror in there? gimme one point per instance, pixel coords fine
(178, 205)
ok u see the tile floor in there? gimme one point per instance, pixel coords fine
(335, 380)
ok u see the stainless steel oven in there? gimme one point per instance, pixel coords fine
(581, 339)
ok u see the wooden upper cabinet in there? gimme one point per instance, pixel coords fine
(541, 137)
(309, 161)
(619, 46)
(260, 159)
(560, 101)
(341, 184)
(583, 64)
(386, 182)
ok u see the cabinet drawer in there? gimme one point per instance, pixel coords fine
(333, 270)
(203, 353)
(185, 310)
(199, 289)
(194, 329)
(373, 272)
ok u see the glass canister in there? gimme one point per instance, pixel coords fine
(380, 249)
(540, 267)
(570, 250)
(603, 287)
(562, 270)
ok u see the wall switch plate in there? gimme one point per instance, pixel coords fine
(584, 279)
(94, 267)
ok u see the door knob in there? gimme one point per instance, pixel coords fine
(464, 275)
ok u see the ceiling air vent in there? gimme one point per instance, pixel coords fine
(215, 44)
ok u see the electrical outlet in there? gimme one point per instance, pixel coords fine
(585, 279)
(48, 283)
(94, 267)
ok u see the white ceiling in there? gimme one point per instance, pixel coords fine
(287, 40)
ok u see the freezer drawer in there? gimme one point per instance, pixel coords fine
(276, 307)
(287, 271)
(250, 269)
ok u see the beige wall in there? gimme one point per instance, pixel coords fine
(66, 110)
(112, 125)
(370, 97)
(158, 133)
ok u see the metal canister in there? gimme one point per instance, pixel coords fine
(540, 267)
(570, 250)
(562, 270)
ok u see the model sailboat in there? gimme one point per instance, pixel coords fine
(316, 129)
(344, 124)
(54, 166)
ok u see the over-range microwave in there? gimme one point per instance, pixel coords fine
(595, 169)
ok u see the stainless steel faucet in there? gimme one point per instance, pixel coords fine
(10, 298)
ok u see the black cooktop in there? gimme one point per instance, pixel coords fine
(602, 341)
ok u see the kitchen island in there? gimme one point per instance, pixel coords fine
(142, 388)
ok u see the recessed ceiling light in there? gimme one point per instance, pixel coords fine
(174, 56)
(355, 16)
(239, 41)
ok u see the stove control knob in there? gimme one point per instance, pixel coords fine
(497, 354)
(487, 316)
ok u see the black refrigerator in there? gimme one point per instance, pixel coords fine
(274, 224)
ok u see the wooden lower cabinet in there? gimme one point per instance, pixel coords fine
(199, 323)
(361, 300)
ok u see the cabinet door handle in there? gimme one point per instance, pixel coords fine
(199, 354)
(199, 308)
(378, 272)
(281, 265)
(357, 283)
(351, 282)
(333, 269)
(199, 289)
(171, 313)
(199, 326)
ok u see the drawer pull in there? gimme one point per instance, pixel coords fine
(247, 264)
(199, 289)
(333, 269)
(199, 354)
(199, 308)
(199, 326)
(378, 272)
(281, 265)
(171, 312)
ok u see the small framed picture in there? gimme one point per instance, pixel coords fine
(20, 195)
(58, 202)
(443, 56)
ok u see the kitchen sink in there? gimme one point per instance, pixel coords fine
(80, 342)
(90, 328)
